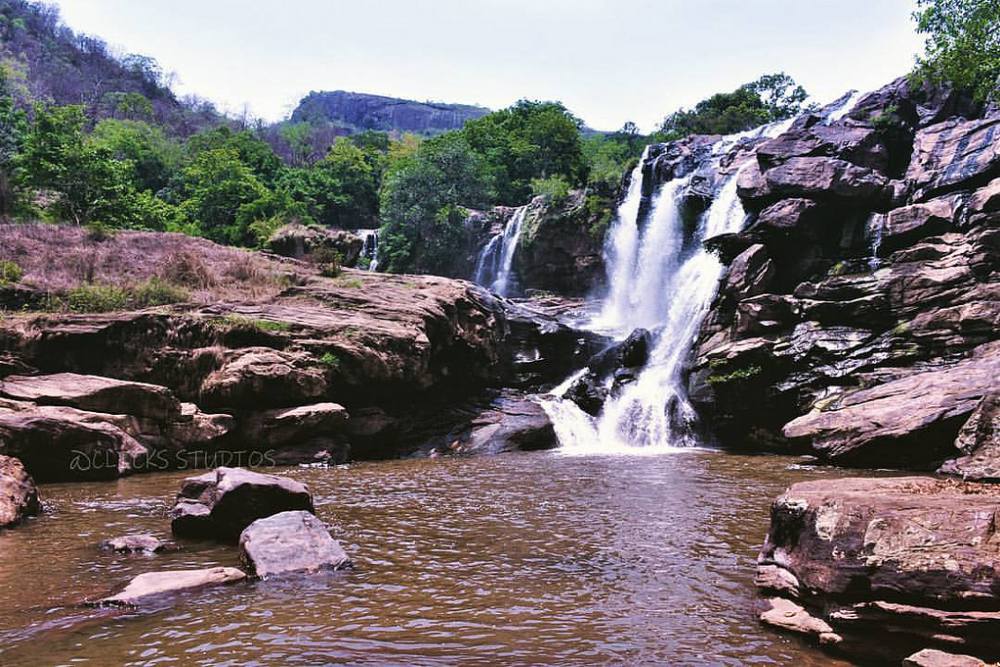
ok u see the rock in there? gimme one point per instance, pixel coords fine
(917, 106)
(933, 658)
(915, 554)
(911, 421)
(196, 429)
(297, 240)
(18, 496)
(902, 226)
(857, 145)
(790, 216)
(144, 543)
(749, 274)
(979, 440)
(94, 394)
(290, 542)
(953, 154)
(589, 392)
(633, 352)
(786, 615)
(152, 585)
(62, 444)
(984, 201)
(284, 426)
(510, 423)
(262, 376)
(816, 178)
(224, 501)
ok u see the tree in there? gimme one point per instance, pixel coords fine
(962, 45)
(13, 126)
(526, 141)
(298, 136)
(213, 188)
(152, 156)
(770, 98)
(254, 153)
(422, 204)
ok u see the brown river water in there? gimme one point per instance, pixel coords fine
(519, 559)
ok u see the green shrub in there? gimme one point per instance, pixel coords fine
(330, 360)
(555, 189)
(95, 298)
(735, 376)
(157, 292)
(328, 260)
(233, 321)
(10, 272)
(98, 231)
(354, 283)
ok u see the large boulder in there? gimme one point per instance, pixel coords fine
(900, 227)
(916, 554)
(18, 496)
(510, 422)
(221, 503)
(290, 542)
(930, 657)
(259, 376)
(93, 393)
(979, 443)
(813, 177)
(911, 421)
(953, 154)
(297, 240)
(155, 585)
(62, 444)
(857, 145)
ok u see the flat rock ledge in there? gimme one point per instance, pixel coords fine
(933, 658)
(884, 568)
(140, 543)
(153, 585)
(290, 542)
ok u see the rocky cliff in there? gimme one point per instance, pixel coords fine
(361, 111)
(857, 315)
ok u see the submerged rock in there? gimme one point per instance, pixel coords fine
(18, 495)
(152, 585)
(918, 554)
(290, 542)
(143, 543)
(221, 503)
(933, 658)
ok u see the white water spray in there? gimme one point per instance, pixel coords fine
(494, 266)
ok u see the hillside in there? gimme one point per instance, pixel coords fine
(362, 111)
(48, 62)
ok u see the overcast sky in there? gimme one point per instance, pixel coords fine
(609, 61)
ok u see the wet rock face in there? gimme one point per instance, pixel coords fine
(510, 422)
(867, 269)
(224, 501)
(144, 543)
(18, 496)
(856, 555)
(290, 542)
(610, 370)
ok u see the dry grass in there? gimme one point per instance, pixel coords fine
(59, 258)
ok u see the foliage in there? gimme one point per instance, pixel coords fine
(770, 98)
(555, 189)
(10, 272)
(328, 260)
(330, 360)
(13, 127)
(421, 204)
(962, 45)
(151, 155)
(98, 298)
(526, 141)
(738, 375)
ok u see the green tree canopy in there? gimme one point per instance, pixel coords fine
(963, 44)
(153, 156)
(254, 153)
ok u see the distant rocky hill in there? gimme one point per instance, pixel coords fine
(357, 112)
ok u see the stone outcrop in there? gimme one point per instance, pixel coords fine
(299, 241)
(978, 442)
(221, 503)
(152, 586)
(18, 495)
(857, 312)
(142, 543)
(290, 542)
(510, 422)
(847, 558)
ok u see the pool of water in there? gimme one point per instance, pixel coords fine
(519, 559)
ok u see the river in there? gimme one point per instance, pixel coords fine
(541, 558)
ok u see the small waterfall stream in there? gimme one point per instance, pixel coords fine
(661, 278)
(495, 263)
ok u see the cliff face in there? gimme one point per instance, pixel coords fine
(361, 111)
(859, 310)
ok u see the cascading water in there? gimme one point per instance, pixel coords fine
(369, 247)
(663, 279)
(494, 266)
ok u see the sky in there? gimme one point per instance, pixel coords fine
(608, 61)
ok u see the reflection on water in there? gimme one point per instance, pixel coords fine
(518, 559)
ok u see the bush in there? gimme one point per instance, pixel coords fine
(98, 298)
(240, 322)
(90, 298)
(186, 268)
(328, 260)
(330, 360)
(555, 189)
(10, 272)
(156, 292)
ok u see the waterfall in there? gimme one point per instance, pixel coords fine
(874, 230)
(663, 279)
(495, 262)
(369, 247)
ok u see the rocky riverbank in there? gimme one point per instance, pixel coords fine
(257, 359)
